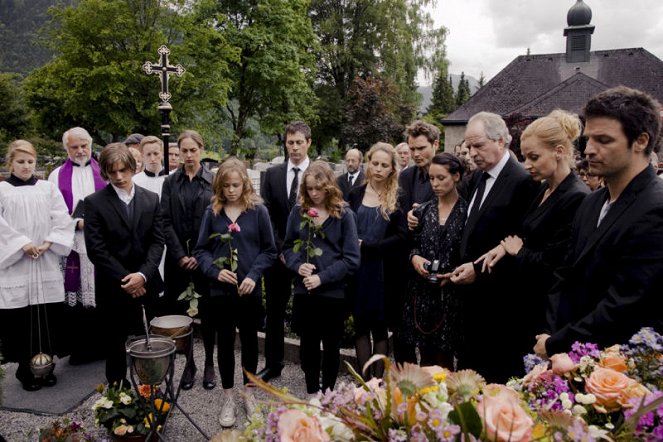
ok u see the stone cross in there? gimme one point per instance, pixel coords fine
(164, 70)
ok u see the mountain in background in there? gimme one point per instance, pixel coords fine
(427, 91)
(20, 21)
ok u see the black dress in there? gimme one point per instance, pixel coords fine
(431, 314)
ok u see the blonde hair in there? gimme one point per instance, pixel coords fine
(558, 128)
(323, 175)
(150, 139)
(195, 136)
(19, 146)
(249, 198)
(389, 196)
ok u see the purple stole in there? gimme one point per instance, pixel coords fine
(72, 275)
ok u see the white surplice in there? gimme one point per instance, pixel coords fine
(82, 185)
(32, 214)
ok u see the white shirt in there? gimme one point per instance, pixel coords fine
(151, 183)
(492, 177)
(125, 196)
(291, 174)
(352, 177)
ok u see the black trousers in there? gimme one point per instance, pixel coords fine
(228, 313)
(320, 319)
(278, 288)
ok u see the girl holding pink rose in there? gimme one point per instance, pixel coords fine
(235, 296)
(319, 287)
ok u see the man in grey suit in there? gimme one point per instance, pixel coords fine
(612, 285)
(354, 176)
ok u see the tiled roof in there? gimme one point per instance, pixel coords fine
(534, 85)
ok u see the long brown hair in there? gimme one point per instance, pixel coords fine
(389, 196)
(323, 175)
(249, 198)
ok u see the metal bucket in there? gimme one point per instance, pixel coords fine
(151, 366)
(177, 327)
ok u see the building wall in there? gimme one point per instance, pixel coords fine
(452, 136)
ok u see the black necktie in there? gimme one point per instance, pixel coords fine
(350, 179)
(481, 188)
(292, 197)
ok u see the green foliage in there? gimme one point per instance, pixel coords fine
(313, 230)
(442, 100)
(463, 93)
(13, 110)
(273, 76)
(191, 296)
(96, 80)
(465, 415)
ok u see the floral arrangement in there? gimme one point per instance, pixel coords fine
(122, 412)
(585, 395)
(64, 431)
(313, 230)
(231, 259)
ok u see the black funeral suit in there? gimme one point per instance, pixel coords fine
(123, 239)
(494, 340)
(344, 183)
(612, 285)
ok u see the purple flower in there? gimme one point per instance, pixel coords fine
(578, 350)
(530, 361)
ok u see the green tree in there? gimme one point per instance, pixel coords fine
(463, 93)
(96, 79)
(386, 39)
(14, 122)
(272, 79)
(482, 80)
(443, 101)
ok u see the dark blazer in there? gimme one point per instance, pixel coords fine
(344, 185)
(546, 234)
(117, 246)
(414, 187)
(174, 211)
(391, 250)
(612, 285)
(494, 330)
(273, 190)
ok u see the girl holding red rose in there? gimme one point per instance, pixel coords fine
(319, 287)
(235, 293)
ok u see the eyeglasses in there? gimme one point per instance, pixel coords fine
(586, 174)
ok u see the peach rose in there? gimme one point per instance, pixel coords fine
(607, 385)
(297, 426)
(531, 377)
(361, 395)
(562, 363)
(612, 358)
(635, 390)
(504, 419)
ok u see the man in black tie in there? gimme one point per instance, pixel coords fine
(280, 191)
(500, 195)
(354, 176)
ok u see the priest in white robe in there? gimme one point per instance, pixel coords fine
(77, 178)
(35, 231)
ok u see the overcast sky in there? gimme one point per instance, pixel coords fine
(486, 35)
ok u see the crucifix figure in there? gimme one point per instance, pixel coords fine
(164, 70)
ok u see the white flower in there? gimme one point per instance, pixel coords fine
(336, 428)
(598, 433)
(585, 399)
(125, 398)
(609, 426)
(579, 410)
(567, 404)
(564, 397)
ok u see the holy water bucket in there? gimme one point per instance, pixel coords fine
(177, 327)
(151, 364)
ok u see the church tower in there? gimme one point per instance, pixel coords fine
(578, 33)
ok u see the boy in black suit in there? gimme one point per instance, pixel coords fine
(124, 240)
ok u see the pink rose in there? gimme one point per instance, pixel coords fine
(297, 426)
(607, 385)
(531, 377)
(375, 386)
(504, 419)
(612, 358)
(312, 213)
(234, 228)
(562, 363)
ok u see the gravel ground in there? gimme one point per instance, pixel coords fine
(203, 406)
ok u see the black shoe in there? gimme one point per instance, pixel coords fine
(49, 380)
(208, 379)
(187, 378)
(267, 374)
(29, 382)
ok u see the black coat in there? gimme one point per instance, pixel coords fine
(546, 234)
(414, 187)
(612, 285)
(494, 330)
(344, 184)
(118, 247)
(274, 192)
